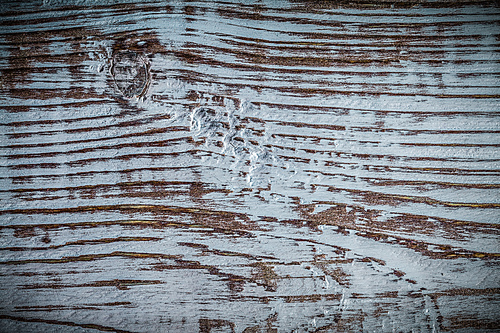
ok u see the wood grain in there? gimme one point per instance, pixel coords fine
(238, 166)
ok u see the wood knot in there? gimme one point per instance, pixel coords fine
(131, 73)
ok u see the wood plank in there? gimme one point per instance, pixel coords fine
(233, 166)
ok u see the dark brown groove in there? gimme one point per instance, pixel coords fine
(27, 123)
(119, 284)
(447, 252)
(418, 183)
(189, 139)
(434, 170)
(466, 292)
(379, 198)
(347, 155)
(13, 108)
(205, 249)
(123, 136)
(434, 144)
(21, 179)
(307, 125)
(82, 162)
(130, 123)
(128, 208)
(123, 185)
(385, 232)
(322, 45)
(422, 131)
(84, 242)
(337, 215)
(398, 4)
(307, 92)
(344, 110)
(379, 50)
(188, 75)
(138, 223)
(393, 182)
(386, 56)
(299, 6)
(126, 8)
(197, 58)
(140, 144)
(259, 17)
(47, 94)
(92, 257)
(64, 323)
(373, 168)
(339, 36)
(49, 308)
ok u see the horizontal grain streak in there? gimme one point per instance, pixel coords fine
(84, 242)
(127, 208)
(64, 323)
(92, 257)
(397, 199)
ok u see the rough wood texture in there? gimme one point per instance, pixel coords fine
(240, 166)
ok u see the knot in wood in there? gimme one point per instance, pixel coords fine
(130, 72)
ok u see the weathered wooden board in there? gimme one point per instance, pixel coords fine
(249, 166)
